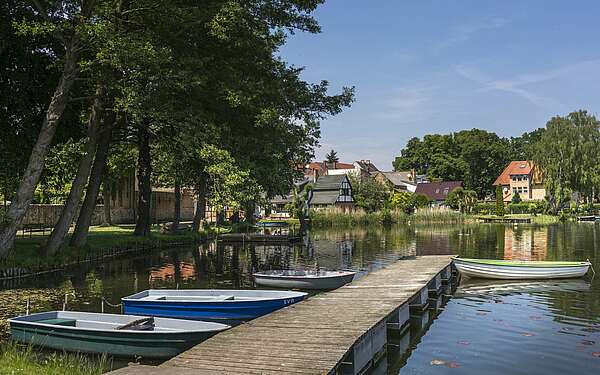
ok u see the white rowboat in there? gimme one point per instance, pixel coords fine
(303, 279)
(520, 270)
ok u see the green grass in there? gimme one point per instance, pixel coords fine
(24, 360)
(290, 221)
(28, 250)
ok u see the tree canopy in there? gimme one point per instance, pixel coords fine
(474, 156)
(195, 92)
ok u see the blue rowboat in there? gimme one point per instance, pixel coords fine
(209, 304)
(115, 335)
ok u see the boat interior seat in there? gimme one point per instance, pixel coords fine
(192, 298)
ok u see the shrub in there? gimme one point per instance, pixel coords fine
(420, 200)
(499, 201)
(516, 198)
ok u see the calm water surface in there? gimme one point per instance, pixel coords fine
(484, 328)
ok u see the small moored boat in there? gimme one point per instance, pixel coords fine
(303, 279)
(221, 305)
(516, 269)
(116, 335)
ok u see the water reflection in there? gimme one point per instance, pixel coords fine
(222, 265)
(500, 327)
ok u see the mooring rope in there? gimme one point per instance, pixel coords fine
(593, 272)
(105, 301)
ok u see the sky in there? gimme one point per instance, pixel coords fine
(425, 66)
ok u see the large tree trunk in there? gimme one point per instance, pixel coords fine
(250, 207)
(142, 224)
(83, 173)
(30, 179)
(84, 220)
(200, 213)
(106, 198)
(177, 208)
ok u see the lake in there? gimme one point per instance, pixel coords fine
(493, 328)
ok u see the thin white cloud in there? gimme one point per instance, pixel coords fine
(466, 31)
(518, 84)
(408, 104)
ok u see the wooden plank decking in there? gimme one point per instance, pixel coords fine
(313, 336)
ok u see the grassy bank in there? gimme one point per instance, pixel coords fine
(28, 250)
(19, 359)
(335, 217)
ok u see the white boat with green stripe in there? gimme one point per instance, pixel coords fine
(520, 270)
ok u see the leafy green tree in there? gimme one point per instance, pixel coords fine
(567, 154)
(332, 157)
(64, 26)
(369, 194)
(475, 157)
(297, 207)
(420, 201)
(401, 200)
(462, 199)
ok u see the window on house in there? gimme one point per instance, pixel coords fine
(437, 191)
(446, 191)
(514, 190)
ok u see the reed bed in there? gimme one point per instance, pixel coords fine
(337, 217)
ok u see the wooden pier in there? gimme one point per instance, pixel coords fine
(258, 237)
(505, 219)
(337, 332)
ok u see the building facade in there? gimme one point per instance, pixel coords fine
(523, 178)
(331, 191)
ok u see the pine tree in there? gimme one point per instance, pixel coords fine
(332, 157)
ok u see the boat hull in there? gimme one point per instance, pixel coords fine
(231, 311)
(506, 272)
(309, 283)
(116, 343)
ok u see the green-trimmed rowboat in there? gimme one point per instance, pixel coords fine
(115, 335)
(519, 270)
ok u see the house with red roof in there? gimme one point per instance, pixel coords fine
(437, 191)
(521, 177)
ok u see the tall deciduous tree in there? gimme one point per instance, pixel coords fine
(568, 156)
(67, 21)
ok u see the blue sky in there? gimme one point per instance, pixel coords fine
(429, 66)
